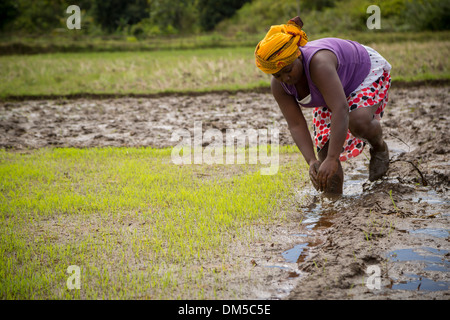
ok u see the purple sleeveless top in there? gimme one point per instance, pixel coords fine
(353, 66)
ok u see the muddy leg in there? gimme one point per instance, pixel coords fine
(335, 184)
(362, 124)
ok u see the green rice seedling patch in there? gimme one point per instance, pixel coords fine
(137, 225)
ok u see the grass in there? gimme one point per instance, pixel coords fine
(71, 41)
(393, 202)
(138, 226)
(199, 70)
(121, 73)
(68, 41)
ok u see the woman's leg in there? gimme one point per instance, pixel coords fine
(362, 124)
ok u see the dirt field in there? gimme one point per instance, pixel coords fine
(399, 225)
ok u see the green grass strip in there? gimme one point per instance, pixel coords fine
(184, 70)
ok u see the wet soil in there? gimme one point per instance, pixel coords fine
(399, 225)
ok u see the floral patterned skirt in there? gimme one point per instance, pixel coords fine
(373, 91)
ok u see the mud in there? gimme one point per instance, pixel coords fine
(398, 226)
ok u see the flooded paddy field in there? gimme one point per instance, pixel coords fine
(383, 240)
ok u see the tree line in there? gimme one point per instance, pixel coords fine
(142, 18)
(109, 16)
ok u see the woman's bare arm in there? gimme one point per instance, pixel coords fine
(296, 121)
(323, 71)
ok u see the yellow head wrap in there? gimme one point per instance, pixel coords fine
(279, 47)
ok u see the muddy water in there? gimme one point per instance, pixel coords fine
(318, 211)
(426, 259)
(415, 267)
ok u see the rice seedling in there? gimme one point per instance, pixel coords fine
(393, 202)
(137, 225)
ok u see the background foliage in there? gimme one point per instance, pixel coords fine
(342, 16)
(149, 18)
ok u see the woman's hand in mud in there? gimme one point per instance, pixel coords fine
(326, 171)
(313, 169)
